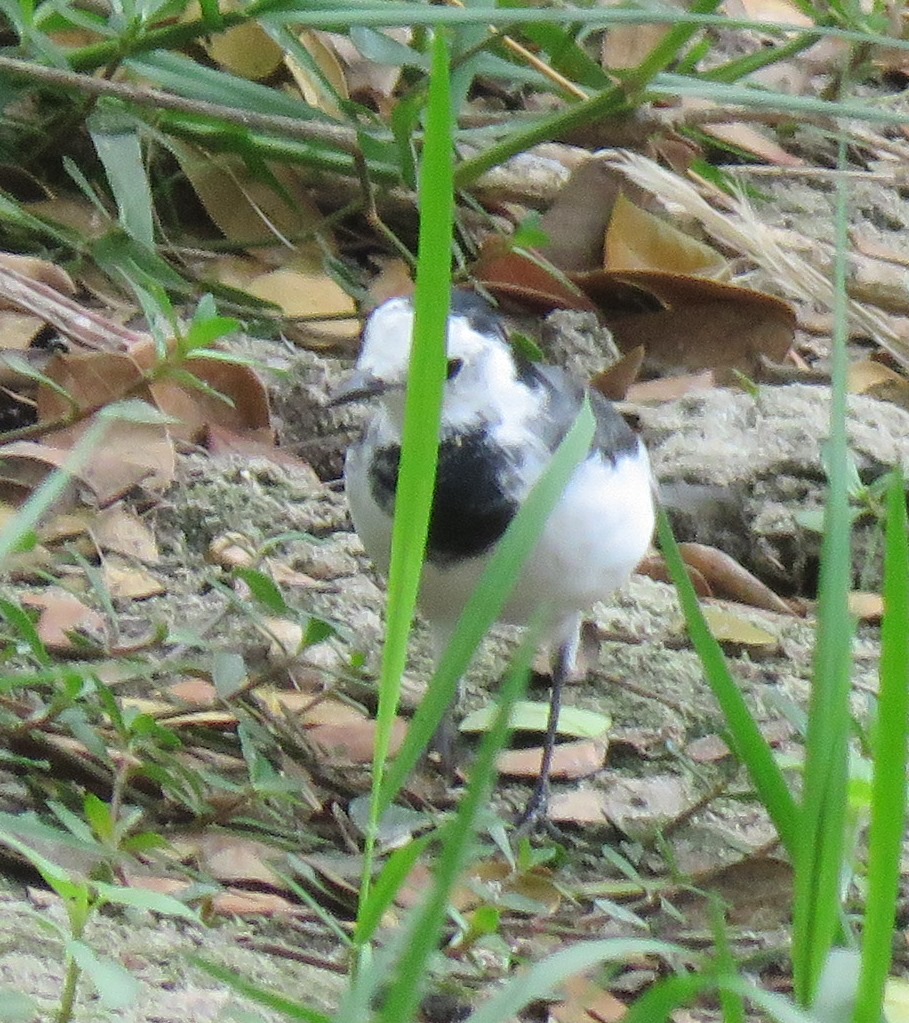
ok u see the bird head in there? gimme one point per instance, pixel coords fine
(480, 369)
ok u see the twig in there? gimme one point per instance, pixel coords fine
(335, 135)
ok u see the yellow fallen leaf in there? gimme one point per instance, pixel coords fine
(308, 294)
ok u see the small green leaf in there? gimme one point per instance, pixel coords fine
(265, 590)
(142, 898)
(116, 987)
(528, 716)
(98, 815)
(203, 332)
(529, 234)
(228, 673)
(121, 154)
(16, 1007)
(134, 410)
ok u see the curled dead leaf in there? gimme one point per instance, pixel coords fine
(690, 323)
(727, 578)
(41, 270)
(639, 240)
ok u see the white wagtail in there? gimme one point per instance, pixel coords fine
(502, 418)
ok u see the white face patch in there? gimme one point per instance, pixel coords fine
(386, 341)
(485, 388)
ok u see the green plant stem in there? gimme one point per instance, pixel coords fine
(819, 857)
(621, 98)
(749, 744)
(388, 14)
(422, 416)
(68, 995)
(888, 798)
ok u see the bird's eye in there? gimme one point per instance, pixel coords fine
(454, 368)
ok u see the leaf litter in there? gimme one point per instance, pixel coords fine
(663, 280)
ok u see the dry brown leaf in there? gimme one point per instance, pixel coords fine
(642, 806)
(354, 742)
(369, 82)
(527, 281)
(320, 46)
(586, 1002)
(727, 578)
(305, 293)
(131, 451)
(41, 270)
(875, 250)
(311, 710)
(77, 214)
(27, 463)
(246, 50)
(394, 279)
(62, 614)
(259, 904)
(197, 692)
(536, 885)
(232, 858)
(119, 530)
(285, 638)
(626, 46)
(129, 582)
(691, 323)
(878, 381)
(246, 411)
(638, 240)
(232, 550)
(65, 526)
(614, 382)
(781, 12)
(654, 567)
(220, 441)
(248, 209)
(576, 222)
(757, 894)
(18, 330)
(216, 719)
(570, 760)
(867, 607)
(662, 389)
(580, 806)
(749, 139)
(708, 749)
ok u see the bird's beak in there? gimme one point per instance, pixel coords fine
(358, 386)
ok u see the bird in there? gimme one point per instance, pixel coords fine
(503, 416)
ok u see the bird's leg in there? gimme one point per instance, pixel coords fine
(444, 743)
(445, 739)
(537, 808)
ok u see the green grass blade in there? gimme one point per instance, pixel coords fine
(749, 745)
(487, 600)
(457, 842)
(544, 978)
(888, 797)
(422, 415)
(119, 149)
(819, 856)
(267, 999)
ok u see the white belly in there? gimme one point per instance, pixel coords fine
(599, 531)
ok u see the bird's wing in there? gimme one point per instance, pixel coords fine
(613, 436)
